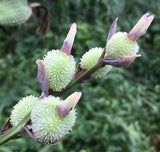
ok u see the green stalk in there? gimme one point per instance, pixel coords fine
(15, 130)
(82, 77)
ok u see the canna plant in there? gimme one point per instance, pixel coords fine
(48, 118)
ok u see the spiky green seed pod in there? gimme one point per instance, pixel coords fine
(121, 45)
(14, 12)
(90, 58)
(60, 69)
(22, 108)
(47, 125)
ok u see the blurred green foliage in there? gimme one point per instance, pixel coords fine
(119, 113)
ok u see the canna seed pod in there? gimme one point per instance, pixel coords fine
(22, 108)
(120, 45)
(90, 58)
(60, 69)
(14, 12)
(47, 125)
(59, 64)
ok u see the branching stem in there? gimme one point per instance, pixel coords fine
(82, 77)
(15, 130)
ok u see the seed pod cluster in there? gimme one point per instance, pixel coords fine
(52, 117)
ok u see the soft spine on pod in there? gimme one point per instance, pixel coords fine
(121, 45)
(22, 108)
(48, 127)
(90, 58)
(60, 69)
(14, 12)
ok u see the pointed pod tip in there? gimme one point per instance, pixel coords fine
(38, 61)
(146, 14)
(40, 64)
(141, 27)
(68, 104)
(73, 28)
(131, 58)
(151, 18)
(138, 55)
(73, 99)
(74, 25)
(68, 42)
(112, 29)
(77, 95)
(120, 61)
(42, 78)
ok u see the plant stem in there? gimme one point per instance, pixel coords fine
(15, 130)
(82, 77)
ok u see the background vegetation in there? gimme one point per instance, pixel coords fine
(119, 113)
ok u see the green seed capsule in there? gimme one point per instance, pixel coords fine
(14, 12)
(22, 108)
(60, 69)
(121, 45)
(48, 127)
(90, 58)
